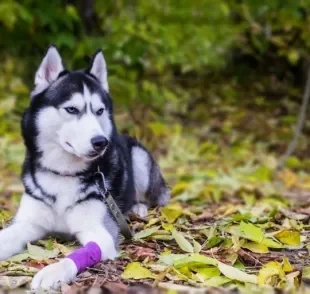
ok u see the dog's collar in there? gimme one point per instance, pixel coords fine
(78, 174)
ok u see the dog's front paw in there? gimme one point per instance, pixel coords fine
(52, 276)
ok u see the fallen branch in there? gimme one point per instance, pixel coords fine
(298, 129)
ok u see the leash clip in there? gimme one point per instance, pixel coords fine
(102, 186)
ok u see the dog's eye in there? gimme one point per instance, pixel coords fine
(72, 110)
(100, 111)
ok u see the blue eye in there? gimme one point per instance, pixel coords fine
(72, 110)
(100, 111)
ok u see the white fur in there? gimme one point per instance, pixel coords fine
(140, 209)
(58, 129)
(99, 70)
(52, 276)
(141, 172)
(48, 71)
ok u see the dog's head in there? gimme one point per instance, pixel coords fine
(69, 120)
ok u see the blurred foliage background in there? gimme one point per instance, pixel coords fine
(212, 87)
(197, 81)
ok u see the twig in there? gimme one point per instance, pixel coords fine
(299, 125)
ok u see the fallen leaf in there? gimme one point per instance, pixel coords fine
(236, 274)
(172, 212)
(269, 273)
(136, 271)
(182, 242)
(206, 272)
(251, 232)
(14, 282)
(197, 246)
(38, 253)
(216, 281)
(255, 247)
(146, 233)
(170, 259)
(141, 252)
(287, 267)
(288, 237)
(195, 259)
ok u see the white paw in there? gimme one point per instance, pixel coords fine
(140, 209)
(52, 276)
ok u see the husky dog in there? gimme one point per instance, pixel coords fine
(69, 133)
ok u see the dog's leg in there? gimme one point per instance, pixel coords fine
(26, 227)
(151, 189)
(89, 222)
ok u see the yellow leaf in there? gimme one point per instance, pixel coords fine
(167, 227)
(270, 273)
(136, 271)
(152, 222)
(179, 188)
(289, 178)
(288, 237)
(287, 267)
(306, 272)
(255, 247)
(172, 212)
(236, 274)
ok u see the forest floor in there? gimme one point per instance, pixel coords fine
(234, 223)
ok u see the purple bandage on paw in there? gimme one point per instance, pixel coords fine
(87, 256)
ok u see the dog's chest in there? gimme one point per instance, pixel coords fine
(66, 190)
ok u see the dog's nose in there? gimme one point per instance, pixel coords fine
(99, 143)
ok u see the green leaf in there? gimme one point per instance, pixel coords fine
(182, 242)
(195, 259)
(170, 259)
(206, 272)
(38, 253)
(236, 274)
(136, 271)
(213, 242)
(217, 281)
(146, 233)
(197, 246)
(271, 243)
(251, 232)
(19, 257)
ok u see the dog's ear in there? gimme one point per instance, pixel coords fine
(98, 68)
(49, 69)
